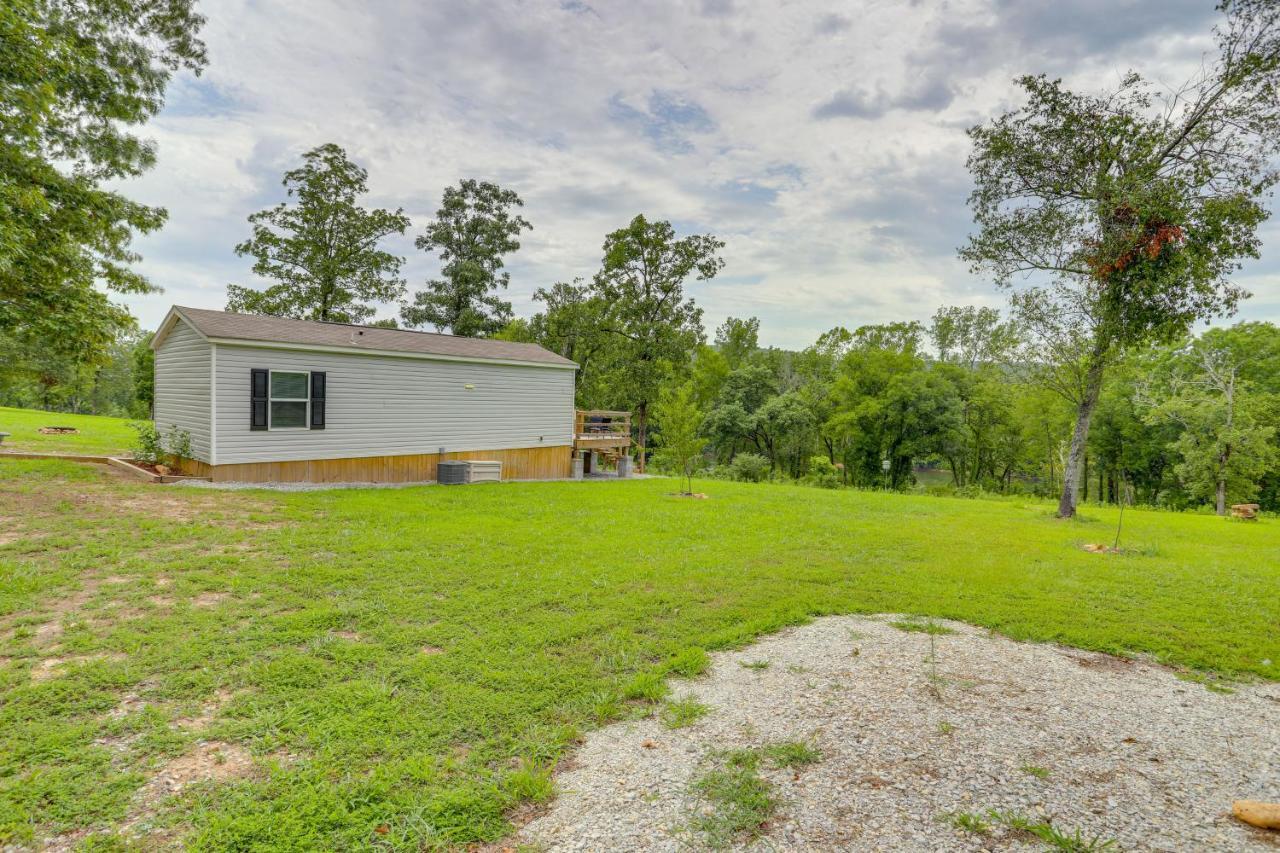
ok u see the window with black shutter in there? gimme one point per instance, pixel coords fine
(258, 397)
(317, 399)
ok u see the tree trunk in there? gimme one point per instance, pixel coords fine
(1226, 451)
(1084, 413)
(642, 432)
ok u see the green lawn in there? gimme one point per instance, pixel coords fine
(97, 435)
(405, 667)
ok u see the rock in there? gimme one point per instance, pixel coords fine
(1255, 813)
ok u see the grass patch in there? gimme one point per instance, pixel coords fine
(926, 626)
(95, 436)
(682, 712)
(1062, 840)
(970, 822)
(791, 754)
(739, 803)
(690, 663)
(547, 630)
(757, 665)
(646, 687)
(738, 800)
(1211, 681)
(1035, 770)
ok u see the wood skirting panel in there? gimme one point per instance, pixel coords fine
(196, 468)
(527, 463)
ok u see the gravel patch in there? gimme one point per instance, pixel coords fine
(1117, 749)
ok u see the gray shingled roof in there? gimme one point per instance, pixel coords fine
(254, 327)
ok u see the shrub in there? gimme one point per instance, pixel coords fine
(153, 448)
(749, 468)
(149, 445)
(823, 473)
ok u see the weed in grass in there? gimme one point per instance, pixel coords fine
(605, 707)
(797, 669)
(646, 686)
(757, 665)
(1035, 770)
(532, 783)
(682, 712)
(690, 663)
(946, 728)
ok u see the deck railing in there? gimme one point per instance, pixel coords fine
(600, 424)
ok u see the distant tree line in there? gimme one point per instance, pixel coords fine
(1114, 222)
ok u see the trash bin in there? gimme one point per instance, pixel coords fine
(577, 467)
(624, 466)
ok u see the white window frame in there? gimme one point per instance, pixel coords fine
(271, 398)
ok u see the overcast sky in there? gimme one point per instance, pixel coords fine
(823, 142)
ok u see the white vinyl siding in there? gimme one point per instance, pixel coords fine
(388, 406)
(182, 386)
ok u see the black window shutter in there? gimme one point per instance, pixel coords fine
(258, 380)
(317, 399)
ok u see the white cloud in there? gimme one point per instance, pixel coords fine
(705, 113)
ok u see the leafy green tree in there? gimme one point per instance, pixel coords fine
(1129, 219)
(709, 373)
(738, 340)
(733, 417)
(570, 326)
(474, 228)
(144, 376)
(322, 251)
(652, 329)
(1225, 446)
(680, 425)
(76, 79)
(888, 405)
(971, 337)
(817, 367)
(783, 429)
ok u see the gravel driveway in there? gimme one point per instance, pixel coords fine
(1117, 750)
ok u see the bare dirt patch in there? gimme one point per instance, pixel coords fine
(208, 712)
(912, 729)
(353, 636)
(207, 761)
(208, 599)
(432, 650)
(52, 667)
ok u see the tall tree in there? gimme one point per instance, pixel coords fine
(1225, 445)
(1129, 212)
(738, 339)
(75, 80)
(655, 330)
(970, 336)
(323, 250)
(475, 226)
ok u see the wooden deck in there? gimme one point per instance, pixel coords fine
(598, 429)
